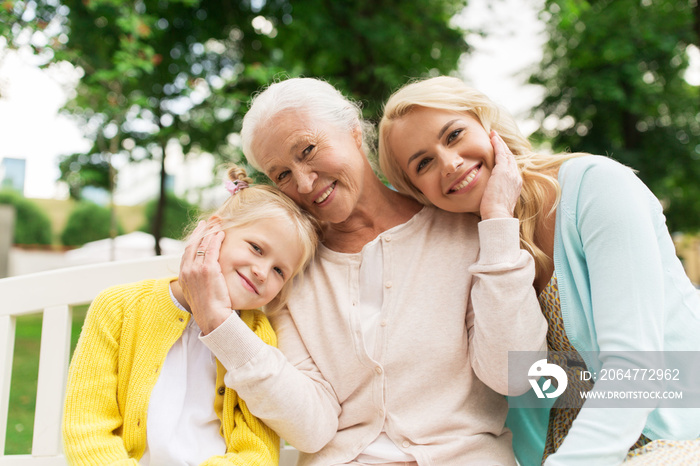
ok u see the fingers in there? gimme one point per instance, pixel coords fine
(504, 185)
(204, 243)
(191, 247)
(202, 248)
(200, 259)
(201, 278)
(503, 155)
(193, 243)
(501, 150)
(211, 245)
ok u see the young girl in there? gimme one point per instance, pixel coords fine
(143, 389)
(608, 279)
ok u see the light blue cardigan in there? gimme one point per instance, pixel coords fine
(622, 288)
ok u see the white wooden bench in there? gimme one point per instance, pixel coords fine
(54, 294)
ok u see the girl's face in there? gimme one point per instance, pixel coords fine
(258, 259)
(447, 155)
(319, 166)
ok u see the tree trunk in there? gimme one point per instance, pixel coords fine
(113, 147)
(160, 208)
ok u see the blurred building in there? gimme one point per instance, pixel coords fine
(12, 173)
(188, 177)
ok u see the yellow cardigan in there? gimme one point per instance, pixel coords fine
(128, 331)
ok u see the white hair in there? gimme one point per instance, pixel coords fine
(314, 97)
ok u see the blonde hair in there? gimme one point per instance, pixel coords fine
(260, 202)
(452, 94)
(311, 96)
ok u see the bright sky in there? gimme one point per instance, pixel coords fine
(31, 128)
(499, 66)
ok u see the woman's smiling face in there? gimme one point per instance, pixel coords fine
(447, 155)
(321, 167)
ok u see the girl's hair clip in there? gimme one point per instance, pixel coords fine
(234, 186)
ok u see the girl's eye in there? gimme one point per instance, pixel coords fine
(279, 271)
(422, 164)
(453, 135)
(307, 150)
(256, 248)
(282, 176)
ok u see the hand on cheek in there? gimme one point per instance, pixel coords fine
(503, 187)
(202, 281)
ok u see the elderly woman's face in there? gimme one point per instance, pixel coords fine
(319, 166)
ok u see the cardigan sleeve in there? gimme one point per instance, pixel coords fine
(504, 315)
(289, 395)
(91, 415)
(616, 219)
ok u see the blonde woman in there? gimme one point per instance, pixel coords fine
(607, 277)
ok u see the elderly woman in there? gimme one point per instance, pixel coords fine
(393, 348)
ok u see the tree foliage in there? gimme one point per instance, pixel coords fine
(82, 170)
(158, 72)
(147, 64)
(614, 78)
(365, 48)
(185, 68)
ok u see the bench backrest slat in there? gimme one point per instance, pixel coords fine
(51, 384)
(27, 294)
(7, 348)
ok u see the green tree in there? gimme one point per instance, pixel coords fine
(158, 73)
(147, 65)
(366, 48)
(32, 224)
(614, 78)
(82, 170)
(22, 24)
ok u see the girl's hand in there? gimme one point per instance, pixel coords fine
(202, 281)
(503, 187)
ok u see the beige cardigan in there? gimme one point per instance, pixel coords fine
(455, 302)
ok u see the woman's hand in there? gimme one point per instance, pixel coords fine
(202, 281)
(503, 187)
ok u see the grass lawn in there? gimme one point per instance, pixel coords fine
(25, 367)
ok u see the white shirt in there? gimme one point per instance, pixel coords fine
(182, 427)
